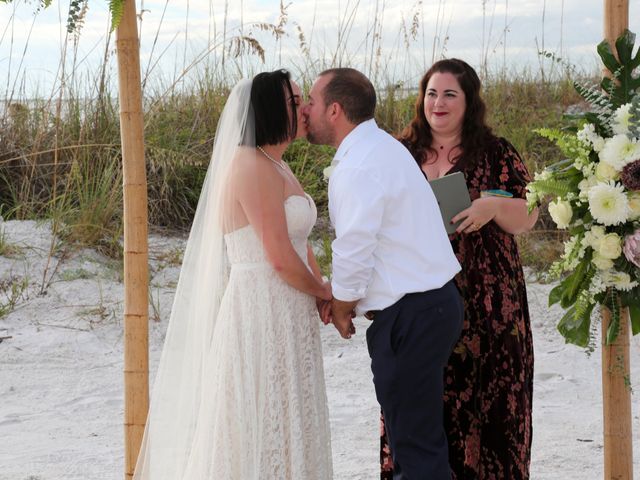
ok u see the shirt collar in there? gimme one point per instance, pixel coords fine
(358, 133)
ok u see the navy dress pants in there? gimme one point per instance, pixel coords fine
(409, 344)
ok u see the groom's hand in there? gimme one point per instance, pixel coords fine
(342, 314)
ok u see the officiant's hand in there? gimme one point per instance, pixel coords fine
(481, 212)
(342, 314)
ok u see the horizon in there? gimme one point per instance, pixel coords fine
(496, 37)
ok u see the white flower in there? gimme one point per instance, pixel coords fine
(585, 185)
(327, 172)
(598, 144)
(585, 132)
(610, 278)
(597, 283)
(573, 253)
(634, 206)
(619, 150)
(589, 137)
(621, 119)
(561, 213)
(606, 172)
(581, 163)
(600, 262)
(609, 246)
(608, 203)
(592, 237)
(589, 169)
(544, 175)
(619, 280)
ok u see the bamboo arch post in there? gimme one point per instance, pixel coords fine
(136, 280)
(616, 391)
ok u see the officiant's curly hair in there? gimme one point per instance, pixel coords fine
(353, 91)
(476, 134)
(272, 99)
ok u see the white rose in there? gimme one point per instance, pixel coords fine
(606, 172)
(610, 246)
(561, 213)
(601, 263)
(592, 237)
(634, 206)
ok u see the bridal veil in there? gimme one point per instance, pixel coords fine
(179, 391)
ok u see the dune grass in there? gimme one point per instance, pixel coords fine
(60, 156)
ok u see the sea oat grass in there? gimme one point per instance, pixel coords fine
(69, 167)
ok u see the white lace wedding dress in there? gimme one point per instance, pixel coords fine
(267, 415)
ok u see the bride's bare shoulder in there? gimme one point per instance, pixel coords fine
(248, 160)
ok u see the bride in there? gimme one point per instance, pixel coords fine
(239, 393)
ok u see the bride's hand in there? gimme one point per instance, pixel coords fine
(324, 310)
(323, 303)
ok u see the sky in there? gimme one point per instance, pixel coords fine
(392, 41)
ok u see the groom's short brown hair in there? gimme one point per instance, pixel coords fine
(353, 91)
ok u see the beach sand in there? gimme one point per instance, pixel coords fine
(61, 381)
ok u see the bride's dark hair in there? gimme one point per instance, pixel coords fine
(272, 100)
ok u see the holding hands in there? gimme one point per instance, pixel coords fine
(339, 313)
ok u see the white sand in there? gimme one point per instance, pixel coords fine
(61, 394)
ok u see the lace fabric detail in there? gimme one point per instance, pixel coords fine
(264, 408)
(244, 246)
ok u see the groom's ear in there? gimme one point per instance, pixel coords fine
(335, 111)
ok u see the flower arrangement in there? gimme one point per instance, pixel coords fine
(596, 198)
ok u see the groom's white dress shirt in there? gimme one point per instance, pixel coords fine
(390, 239)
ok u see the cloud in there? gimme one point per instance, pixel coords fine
(373, 35)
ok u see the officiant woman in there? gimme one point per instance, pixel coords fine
(489, 378)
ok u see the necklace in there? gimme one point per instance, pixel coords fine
(278, 163)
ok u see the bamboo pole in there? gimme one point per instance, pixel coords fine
(616, 371)
(616, 19)
(136, 356)
(616, 401)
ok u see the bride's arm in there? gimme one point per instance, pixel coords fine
(323, 305)
(313, 263)
(260, 191)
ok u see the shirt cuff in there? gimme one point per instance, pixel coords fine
(345, 294)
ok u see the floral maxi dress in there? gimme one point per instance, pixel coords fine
(489, 380)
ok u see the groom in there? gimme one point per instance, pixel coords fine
(392, 263)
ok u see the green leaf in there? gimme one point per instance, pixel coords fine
(556, 293)
(614, 327)
(630, 297)
(606, 54)
(634, 118)
(624, 46)
(634, 315)
(612, 302)
(607, 85)
(635, 61)
(116, 7)
(574, 329)
(573, 284)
